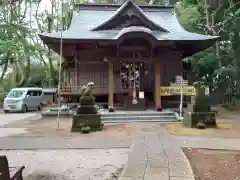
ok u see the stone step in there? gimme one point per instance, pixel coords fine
(139, 117)
(122, 117)
(135, 113)
(116, 122)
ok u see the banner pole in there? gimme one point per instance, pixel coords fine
(181, 100)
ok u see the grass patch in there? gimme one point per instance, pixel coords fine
(224, 126)
(178, 129)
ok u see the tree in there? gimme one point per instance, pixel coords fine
(219, 64)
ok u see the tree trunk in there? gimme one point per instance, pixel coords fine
(210, 25)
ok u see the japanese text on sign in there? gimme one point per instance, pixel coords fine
(176, 90)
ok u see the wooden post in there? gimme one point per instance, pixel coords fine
(157, 85)
(110, 85)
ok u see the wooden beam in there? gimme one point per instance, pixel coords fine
(110, 85)
(133, 48)
(157, 84)
(119, 59)
(91, 62)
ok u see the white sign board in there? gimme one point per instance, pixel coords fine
(206, 91)
(141, 95)
(180, 80)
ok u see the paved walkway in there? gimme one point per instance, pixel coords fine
(156, 155)
(10, 118)
(80, 142)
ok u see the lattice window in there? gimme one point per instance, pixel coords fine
(130, 74)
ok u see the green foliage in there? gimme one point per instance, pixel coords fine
(22, 53)
(218, 66)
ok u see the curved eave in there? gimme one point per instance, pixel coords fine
(191, 47)
(54, 39)
(188, 46)
(110, 35)
(53, 42)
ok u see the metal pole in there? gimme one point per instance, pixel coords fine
(181, 99)
(59, 71)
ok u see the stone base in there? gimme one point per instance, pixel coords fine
(110, 109)
(92, 120)
(192, 118)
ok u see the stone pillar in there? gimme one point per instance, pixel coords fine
(110, 86)
(157, 85)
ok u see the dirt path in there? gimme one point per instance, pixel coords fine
(214, 164)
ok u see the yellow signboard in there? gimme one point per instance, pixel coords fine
(176, 90)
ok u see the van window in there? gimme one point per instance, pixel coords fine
(16, 93)
(30, 92)
(35, 92)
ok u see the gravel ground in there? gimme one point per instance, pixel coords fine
(46, 127)
(68, 164)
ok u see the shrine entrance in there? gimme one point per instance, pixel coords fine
(135, 81)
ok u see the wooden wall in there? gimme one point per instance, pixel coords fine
(85, 73)
(170, 69)
(87, 70)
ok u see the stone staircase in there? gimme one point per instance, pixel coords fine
(122, 117)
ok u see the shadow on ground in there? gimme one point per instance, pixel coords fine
(46, 176)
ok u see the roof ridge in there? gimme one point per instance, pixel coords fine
(92, 5)
(122, 8)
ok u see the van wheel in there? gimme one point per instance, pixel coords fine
(40, 107)
(24, 108)
(6, 111)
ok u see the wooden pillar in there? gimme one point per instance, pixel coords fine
(110, 85)
(157, 85)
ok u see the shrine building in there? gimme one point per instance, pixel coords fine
(127, 50)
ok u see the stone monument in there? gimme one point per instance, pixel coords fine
(87, 118)
(198, 113)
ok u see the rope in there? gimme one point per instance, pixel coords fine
(60, 70)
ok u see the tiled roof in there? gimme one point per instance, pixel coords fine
(86, 20)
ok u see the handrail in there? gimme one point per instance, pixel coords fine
(77, 88)
(70, 88)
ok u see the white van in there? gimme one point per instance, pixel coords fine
(23, 99)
